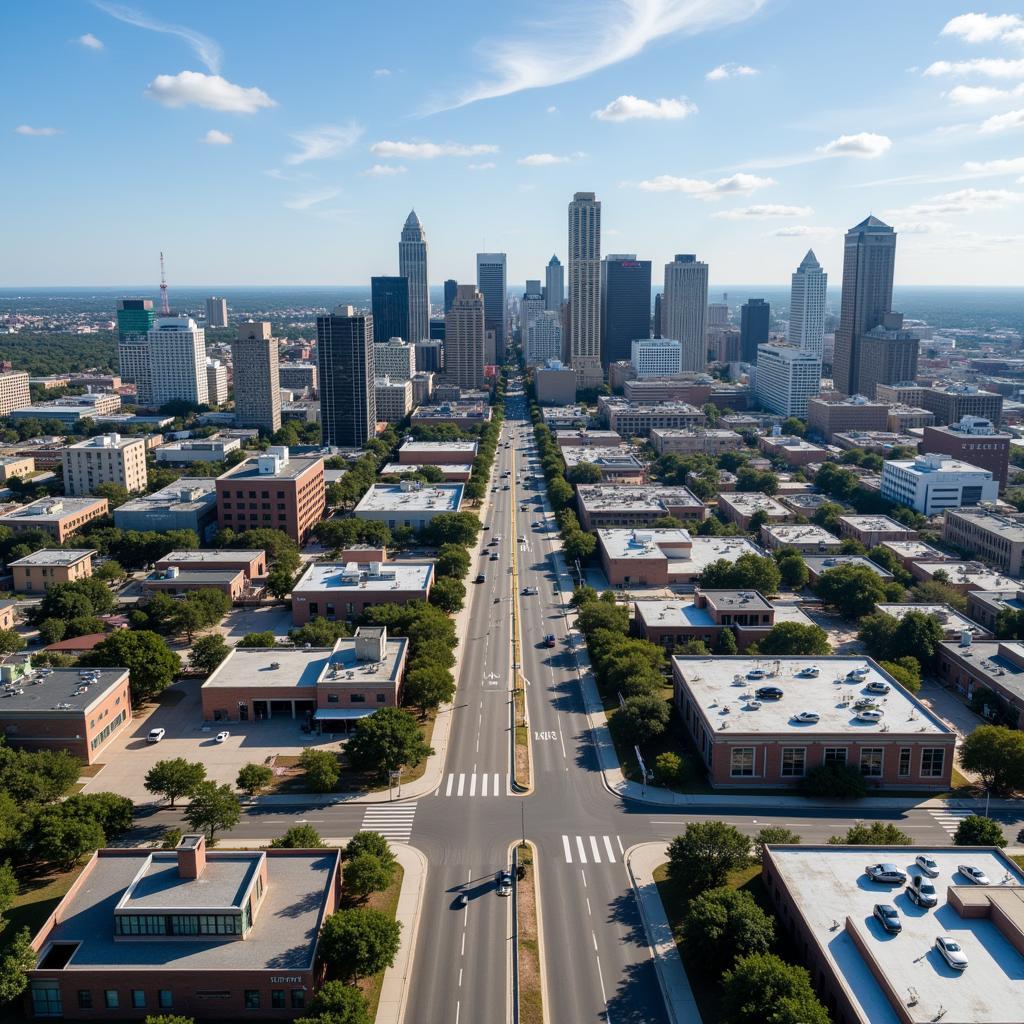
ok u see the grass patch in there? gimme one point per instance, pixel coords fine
(35, 902)
(387, 903)
(531, 996)
(522, 752)
(90, 771)
(1017, 858)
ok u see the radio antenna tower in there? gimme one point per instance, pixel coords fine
(165, 305)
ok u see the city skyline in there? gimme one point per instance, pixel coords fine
(751, 155)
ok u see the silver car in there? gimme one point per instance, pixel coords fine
(952, 952)
(973, 875)
(888, 873)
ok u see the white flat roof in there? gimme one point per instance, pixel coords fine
(448, 447)
(359, 577)
(54, 556)
(673, 613)
(635, 497)
(875, 523)
(828, 885)
(398, 468)
(804, 533)
(428, 498)
(753, 501)
(912, 549)
(974, 573)
(624, 543)
(715, 687)
(949, 618)
(822, 563)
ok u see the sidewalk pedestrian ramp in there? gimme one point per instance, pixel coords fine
(393, 821)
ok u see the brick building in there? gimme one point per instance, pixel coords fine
(828, 417)
(995, 538)
(34, 573)
(664, 557)
(975, 441)
(59, 517)
(622, 505)
(343, 590)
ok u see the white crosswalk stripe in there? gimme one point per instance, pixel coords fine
(948, 818)
(589, 849)
(479, 784)
(393, 821)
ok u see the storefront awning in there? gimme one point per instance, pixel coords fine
(334, 714)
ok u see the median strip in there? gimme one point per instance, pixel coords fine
(527, 921)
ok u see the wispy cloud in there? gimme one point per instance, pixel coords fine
(215, 137)
(992, 168)
(310, 199)
(924, 227)
(206, 49)
(730, 71)
(384, 170)
(973, 95)
(209, 91)
(487, 165)
(802, 231)
(90, 42)
(552, 110)
(381, 72)
(962, 201)
(581, 38)
(27, 129)
(698, 188)
(548, 159)
(632, 108)
(867, 145)
(1002, 122)
(322, 143)
(986, 67)
(427, 150)
(986, 28)
(763, 211)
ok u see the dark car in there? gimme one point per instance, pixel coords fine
(768, 693)
(549, 640)
(480, 577)
(888, 917)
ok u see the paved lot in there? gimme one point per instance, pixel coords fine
(275, 617)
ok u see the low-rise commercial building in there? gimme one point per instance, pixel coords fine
(902, 393)
(409, 503)
(630, 419)
(934, 483)
(664, 557)
(464, 415)
(991, 665)
(954, 624)
(995, 538)
(450, 474)
(710, 441)
(12, 466)
(437, 453)
(175, 582)
(901, 418)
(806, 503)
(622, 505)
(393, 398)
(190, 503)
(741, 506)
(818, 564)
(964, 576)
(975, 441)
(985, 606)
(565, 417)
(744, 741)
(252, 562)
(872, 530)
(805, 537)
(34, 573)
(344, 590)
(882, 442)
(952, 402)
(617, 465)
(207, 449)
(59, 517)
(794, 451)
(693, 389)
(910, 551)
(105, 459)
(554, 384)
(827, 418)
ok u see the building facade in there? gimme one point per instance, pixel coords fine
(787, 379)
(346, 370)
(935, 483)
(393, 399)
(543, 339)
(807, 296)
(755, 318)
(257, 377)
(395, 359)
(216, 312)
(14, 392)
(412, 265)
(492, 283)
(585, 289)
(216, 382)
(974, 440)
(464, 338)
(554, 285)
(176, 352)
(656, 357)
(684, 306)
(105, 459)
(985, 534)
(389, 301)
(625, 305)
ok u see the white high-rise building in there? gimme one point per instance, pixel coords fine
(216, 382)
(176, 348)
(412, 264)
(531, 305)
(554, 284)
(395, 359)
(807, 305)
(787, 378)
(684, 308)
(543, 340)
(585, 289)
(657, 357)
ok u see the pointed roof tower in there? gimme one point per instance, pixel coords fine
(810, 260)
(871, 223)
(412, 231)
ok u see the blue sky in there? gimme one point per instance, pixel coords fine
(264, 142)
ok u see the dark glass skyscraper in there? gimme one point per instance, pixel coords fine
(755, 317)
(451, 286)
(389, 297)
(625, 305)
(346, 372)
(134, 317)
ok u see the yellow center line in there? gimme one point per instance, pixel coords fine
(515, 575)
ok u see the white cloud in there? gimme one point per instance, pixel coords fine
(310, 199)
(802, 231)
(27, 129)
(1002, 122)
(964, 200)
(384, 170)
(90, 42)
(581, 38)
(545, 159)
(209, 91)
(552, 110)
(215, 137)
(866, 145)
(987, 67)
(927, 227)
(324, 142)
(969, 95)
(985, 28)
(730, 71)
(763, 211)
(992, 168)
(381, 72)
(632, 108)
(736, 184)
(486, 166)
(205, 48)
(427, 150)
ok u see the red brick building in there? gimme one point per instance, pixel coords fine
(252, 562)
(973, 440)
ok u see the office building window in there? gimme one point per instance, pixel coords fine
(933, 760)
(834, 755)
(110, 997)
(904, 768)
(741, 762)
(298, 998)
(277, 999)
(138, 999)
(84, 999)
(252, 999)
(793, 761)
(165, 999)
(871, 762)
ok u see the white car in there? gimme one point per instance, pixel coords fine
(156, 735)
(807, 716)
(878, 686)
(927, 865)
(952, 952)
(870, 715)
(811, 672)
(973, 875)
(221, 736)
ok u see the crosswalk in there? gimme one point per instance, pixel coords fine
(591, 849)
(393, 821)
(948, 818)
(467, 784)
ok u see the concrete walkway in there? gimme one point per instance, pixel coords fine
(675, 986)
(395, 988)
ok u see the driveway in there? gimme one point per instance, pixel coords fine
(256, 619)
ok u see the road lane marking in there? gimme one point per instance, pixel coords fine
(451, 782)
(457, 1013)
(462, 783)
(568, 849)
(608, 850)
(472, 784)
(580, 850)
(594, 850)
(621, 850)
(484, 790)
(495, 790)
(463, 952)
(600, 977)
(589, 911)
(584, 874)
(594, 937)
(560, 740)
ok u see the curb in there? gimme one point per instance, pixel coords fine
(394, 991)
(519, 789)
(545, 1001)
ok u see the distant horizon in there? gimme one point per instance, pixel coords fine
(511, 287)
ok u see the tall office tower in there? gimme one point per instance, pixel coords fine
(718, 314)
(869, 259)
(436, 329)
(216, 381)
(395, 359)
(554, 285)
(625, 305)
(787, 378)
(346, 371)
(450, 288)
(216, 312)
(15, 392)
(464, 339)
(807, 305)
(684, 308)
(585, 289)
(888, 354)
(177, 362)
(135, 317)
(257, 373)
(430, 355)
(389, 300)
(755, 317)
(412, 264)
(492, 285)
(656, 357)
(543, 339)
(530, 307)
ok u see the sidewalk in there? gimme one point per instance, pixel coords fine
(675, 986)
(395, 989)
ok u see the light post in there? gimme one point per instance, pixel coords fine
(643, 768)
(393, 778)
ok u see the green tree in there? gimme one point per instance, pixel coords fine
(793, 427)
(748, 572)
(280, 581)
(560, 492)
(724, 924)
(877, 632)
(702, 856)
(113, 812)
(170, 839)
(936, 592)
(365, 874)
(64, 838)
(213, 809)
(641, 718)
(584, 473)
(337, 1003)
(385, 741)
(452, 560)
(579, 545)
(174, 778)
(793, 572)
(115, 494)
(906, 671)
(726, 643)
(920, 636)
(773, 835)
(11, 641)
(51, 631)
(16, 960)
(369, 842)
(321, 768)
(668, 768)
(977, 830)
(318, 632)
(8, 889)
(208, 652)
(254, 778)
(875, 833)
(792, 638)
(359, 942)
(996, 755)
(448, 594)
(453, 528)
(835, 781)
(763, 989)
(299, 837)
(266, 638)
(151, 664)
(427, 686)
(109, 571)
(852, 589)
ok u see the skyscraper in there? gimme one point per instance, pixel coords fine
(492, 285)
(888, 354)
(543, 339)
(464, 338)
(450, 288)
(807, 305)
(684, 308)
(530, 307)
(869, 259)
(135, 317)
(755, 317)
(389, 300)
(216, 312)
(412, 264)
(718, 313)
(176, 363)
(787, 378)
(346, 372)
(554, 285)
(585, 289)
(254, 358)
(625, 305)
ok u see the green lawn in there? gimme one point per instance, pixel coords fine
(387, 903)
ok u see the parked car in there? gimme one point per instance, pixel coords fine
(768, 693)
(222, 736)
(887, 873)
(494, 556)
(156, 735)
(520, 539)
(927, 865)
(878, 686)
(922, 891)
(870, 715)
(973, 875)
(888, 917)
(952, 952)
(549, 640)
(810, 672)
(807, 716)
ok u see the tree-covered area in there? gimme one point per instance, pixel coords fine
(41, 355)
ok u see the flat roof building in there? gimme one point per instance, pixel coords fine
(464, 415)
(105, 459)
(712, 441)
(207, 449)
(633, 419)
(450, 474)
(664, 557)
(437, 452)
(934, 483)
(882, 442)
(965, 576)
(408, 503)
(910, 551)
(828, 418)
(177, 582)
(995, 538)
(35, 573)
(952, 402)
(190, 503)
(566, 417)
(617, 465)
(622, 505)
(805, 537)
(954, 624)
(973, 440)
(587, 438)
(740, 507)
(817, 564)
(794, 451)
(16, 465)
(60, 517)
(872, 530)
(344, 590)
(250, 561)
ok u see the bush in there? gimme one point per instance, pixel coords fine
(366, 873)
(877, 833)
(763, 988)
(702, 856)
(321, 768)
(977, 830)
(724, 924)
(668, 768)
(773, 834)
(360, 942)
(299, 837)
(835, 781)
